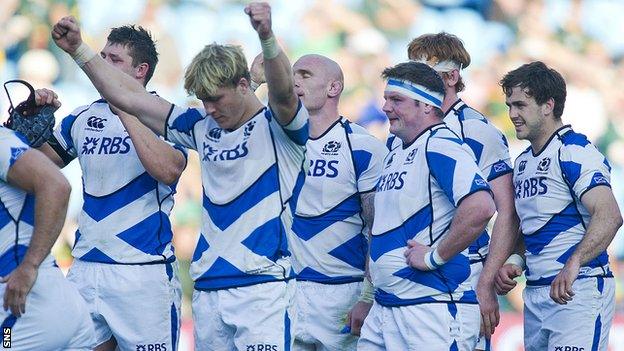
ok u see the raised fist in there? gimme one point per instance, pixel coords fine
(66, 34)
(260, 16)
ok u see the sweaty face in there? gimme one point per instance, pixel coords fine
(118, 55)
(311, 83)
(402, 112)
(525, 114)
(226, 106)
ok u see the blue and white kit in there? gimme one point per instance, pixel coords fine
(52, 301)
(124, 228)
(549, 186)
(421, 185)
(328, 238)
(247, 176)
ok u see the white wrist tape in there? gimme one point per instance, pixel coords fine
(368, 291)
(270, 48)
(517, 260)
(433, 260)
(83, 54)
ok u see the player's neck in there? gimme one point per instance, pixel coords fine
(449, 100)
(252, 106)
(321, 120)
(544, 135)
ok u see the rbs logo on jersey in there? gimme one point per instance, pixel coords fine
(531, 187)
(105, 146)
(320, 168)
(391, 181)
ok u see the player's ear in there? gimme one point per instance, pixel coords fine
(548, 106)
(334, 89)
(243, 85)
(141, 70)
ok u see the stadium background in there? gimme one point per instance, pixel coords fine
(580, 38)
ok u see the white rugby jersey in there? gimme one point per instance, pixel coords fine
(420, 187)
(248, 175)
(125, 213)
(548, 190)
(490, 149)
(17, 208)
(327, 238)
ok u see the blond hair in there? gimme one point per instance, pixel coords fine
(440, 47)
(216, 66)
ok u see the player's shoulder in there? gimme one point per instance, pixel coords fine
(576, 146)
(442, 139)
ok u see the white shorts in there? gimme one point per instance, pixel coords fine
(581, 324)
(321, 315)
(139, 305)
(257, 317)
(429, 326)
(56, 316)
(483, 344)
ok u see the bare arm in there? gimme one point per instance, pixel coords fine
(504, 236)
(468, 223)
(162, 161)
(470, 219)
(606, 219)
(115, 86)
(277, 68)
(36, 174)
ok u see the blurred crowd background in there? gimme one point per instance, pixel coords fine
(579, 38)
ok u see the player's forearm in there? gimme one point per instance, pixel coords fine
(505, 234)
(115, 86)
(163, 162)
(51, 198)
(280, 84)
(602, 228)
(470, 219)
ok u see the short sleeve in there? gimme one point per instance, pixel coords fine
(454, 168)
(583, 166)
(12, 147)
(297, 129)
(490, 148)
(180, 125)
(368, 156)
(62, 140)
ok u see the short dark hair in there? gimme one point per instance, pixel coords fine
(540, 82)
(141, 46)
(417, 73)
